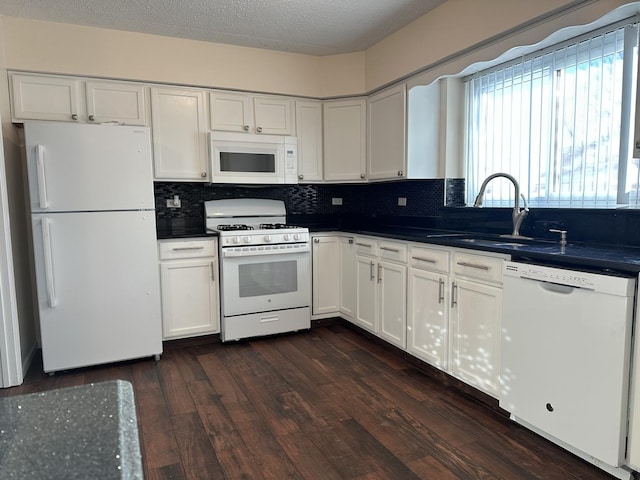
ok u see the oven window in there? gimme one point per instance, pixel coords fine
(269, 278)
(247, 162)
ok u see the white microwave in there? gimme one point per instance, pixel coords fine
(253, 158)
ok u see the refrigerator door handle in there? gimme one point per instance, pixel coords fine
(48, 263)
(42, 182)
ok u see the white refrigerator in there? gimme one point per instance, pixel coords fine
(94, 242)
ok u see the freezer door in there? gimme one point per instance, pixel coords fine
(98, 287)
(76, 167)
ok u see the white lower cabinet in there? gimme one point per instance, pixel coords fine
(381, 288)
(476, 319)
(189, 287)
(441, 304)
(326, 274)
(347, 278)
(428, 305)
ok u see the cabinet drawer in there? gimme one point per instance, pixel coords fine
(176, 249)
(478, 266)
(394, 251)
(366, 246)
(429, 259)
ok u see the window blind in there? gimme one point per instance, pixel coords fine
(558, 120)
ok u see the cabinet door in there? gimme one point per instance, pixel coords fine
(347, 278)
(179, 134)
(387, 127)
(428, 316)
(344, 123)
(392, 279)
(476, 319)
(231, 112)
(366, 294)
(273, 115)
(309, 133)
(39, 97)
(189, 297)
(116, 102)
(326, 275)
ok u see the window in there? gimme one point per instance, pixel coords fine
(560, 121)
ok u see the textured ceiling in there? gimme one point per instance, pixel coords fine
(315, 27)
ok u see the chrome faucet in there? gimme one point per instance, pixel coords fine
(518, 215)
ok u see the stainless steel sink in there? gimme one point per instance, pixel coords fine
(495, 241)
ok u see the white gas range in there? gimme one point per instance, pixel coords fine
(265, 268)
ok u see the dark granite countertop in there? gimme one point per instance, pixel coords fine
(576, 255)
(88, 431)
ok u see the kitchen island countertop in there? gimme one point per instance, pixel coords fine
(87, 431)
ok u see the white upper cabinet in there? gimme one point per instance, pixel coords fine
(386, 121)
(68, 99)
(40, 97)
(241, 112)
(435, 128)
(309, 133)
(116, 102)
(179, 134)
(345, 129)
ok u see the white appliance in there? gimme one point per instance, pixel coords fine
(253, 158)
(565, 358)
(265, 268)
(94, 240)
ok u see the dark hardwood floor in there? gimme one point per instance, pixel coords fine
(326, 404)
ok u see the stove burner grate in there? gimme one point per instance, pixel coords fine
(275, 226)
(233, 227)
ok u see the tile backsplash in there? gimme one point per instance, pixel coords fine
(423, 198)
(364, 204)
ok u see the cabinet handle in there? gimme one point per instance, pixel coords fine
(91, 118)
(245, 128)
(316, 240)
(441, 290)
(454, 294)
(396, 250)
(259, 129)
(203, 174)
(368, 245)
(213, 271)
(371, 275)
(300, 177)
(473, 265)
(399, 173)
(351, 241)
(423, 259)
(74, 116)
(178, 249)
(362, 175)
(379, 273)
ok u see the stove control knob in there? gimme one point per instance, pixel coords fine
(296, 236)
(247, 239)
(286, 237)
(236, 239)
(267, 238)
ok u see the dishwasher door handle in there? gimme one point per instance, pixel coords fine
(557, 288)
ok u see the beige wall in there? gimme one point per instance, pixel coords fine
(460, 25)
(71, 49)
(453, 27)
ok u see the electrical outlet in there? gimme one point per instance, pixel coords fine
(336, 201)
(402, 202)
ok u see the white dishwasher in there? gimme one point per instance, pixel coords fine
(566, 339)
